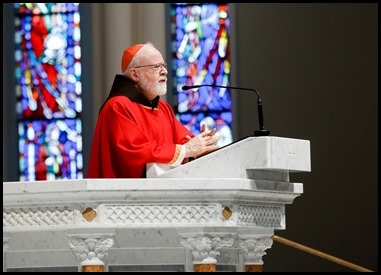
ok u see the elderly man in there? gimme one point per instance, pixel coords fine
(135, 126)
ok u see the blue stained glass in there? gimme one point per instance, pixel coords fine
(221, 121)
(47, 148)
(48, 89)
(46, 49)
(200, 45)
(45, 8)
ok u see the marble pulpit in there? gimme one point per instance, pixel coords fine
(216, 213)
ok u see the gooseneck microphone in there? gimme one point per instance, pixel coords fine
(261, 131)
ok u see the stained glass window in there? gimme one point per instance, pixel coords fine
(200, 36)
(48, 89)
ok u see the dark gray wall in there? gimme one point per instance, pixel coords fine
(10, 138)
(316, 68)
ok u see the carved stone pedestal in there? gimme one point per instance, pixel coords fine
(216, 213)
(91, 250)
(204, 248)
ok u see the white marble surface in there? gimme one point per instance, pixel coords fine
(64, 191)
(147, 219)
(233, 161)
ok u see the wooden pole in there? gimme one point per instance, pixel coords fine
(92, 268)
(320, 254)
(254, 268)
(204, 268)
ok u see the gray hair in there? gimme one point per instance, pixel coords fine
(136, 59)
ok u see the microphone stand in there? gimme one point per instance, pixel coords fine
(261, 131)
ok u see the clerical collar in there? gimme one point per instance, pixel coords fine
(124, 86)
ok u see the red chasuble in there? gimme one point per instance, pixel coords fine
(131, 131)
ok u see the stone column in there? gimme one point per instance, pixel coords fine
(204, 248)
(5, 247)
(91, 250)
(254, 247)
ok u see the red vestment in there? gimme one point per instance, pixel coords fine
(131, 131)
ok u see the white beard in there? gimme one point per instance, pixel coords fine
(158, 90)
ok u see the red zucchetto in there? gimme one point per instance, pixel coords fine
(128, 54)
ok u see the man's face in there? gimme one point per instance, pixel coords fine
(152, 74)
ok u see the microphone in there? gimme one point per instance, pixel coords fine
(261, 131)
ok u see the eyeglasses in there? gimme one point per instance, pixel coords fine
(155, 67)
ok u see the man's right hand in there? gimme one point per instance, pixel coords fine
(202, 144)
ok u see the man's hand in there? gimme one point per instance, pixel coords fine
(202, 144)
